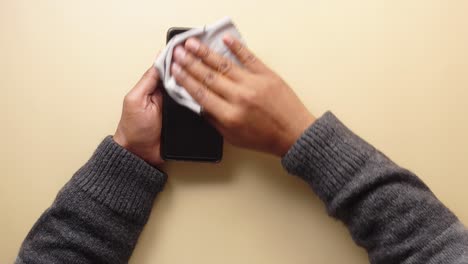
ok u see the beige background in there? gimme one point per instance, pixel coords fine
(395, 71)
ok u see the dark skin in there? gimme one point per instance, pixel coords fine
(249, 104)
(139, 129)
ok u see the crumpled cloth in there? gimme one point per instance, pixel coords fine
(210, 35)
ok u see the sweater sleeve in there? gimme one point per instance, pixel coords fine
(388, 210)
(99, 214)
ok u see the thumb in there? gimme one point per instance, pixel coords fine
(147, 84)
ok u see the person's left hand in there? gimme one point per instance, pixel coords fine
(139, 129)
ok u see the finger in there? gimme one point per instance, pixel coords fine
(211, 103)
(196, 68)
(243, 54)
(147, 84)
(217, 62)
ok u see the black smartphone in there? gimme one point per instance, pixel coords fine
(186, 135)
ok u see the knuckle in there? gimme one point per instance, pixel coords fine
(259, 92)
(200, 94)
(188, 61)
(209, 78)
(249, 59)
(130, 99)
(266, 83)
(240, 49)
(149, 74)
(180, 76)
(245, 56)
(276, 82)
(224, 65)
(249, 97)
(232, 120)
(203, 51)
(146, 74)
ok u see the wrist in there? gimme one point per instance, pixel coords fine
(147, 151)
(106, 177)
(296, 130)
(120, 139)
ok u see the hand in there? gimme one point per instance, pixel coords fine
(139, 129)
(250, 105)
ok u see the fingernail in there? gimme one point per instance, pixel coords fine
(176, 69)
(192, 44)
(228, 39)
(179, 53)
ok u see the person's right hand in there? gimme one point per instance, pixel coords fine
(251, 105)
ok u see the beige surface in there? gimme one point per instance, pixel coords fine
(395, 71)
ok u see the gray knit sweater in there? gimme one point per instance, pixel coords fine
(99, 214)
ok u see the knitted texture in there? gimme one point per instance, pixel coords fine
(388, 210)
(99, 214)
(116, 178)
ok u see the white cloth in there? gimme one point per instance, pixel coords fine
(210, 35)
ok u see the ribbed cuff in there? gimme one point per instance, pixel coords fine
(119, 180)
(327, 156)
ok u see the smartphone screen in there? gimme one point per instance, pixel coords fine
(185, 135)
